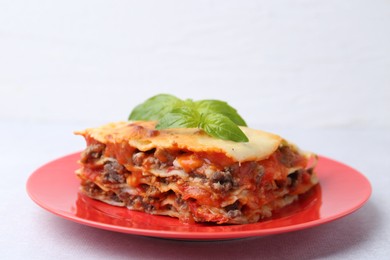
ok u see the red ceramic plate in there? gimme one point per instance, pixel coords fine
(54, 187)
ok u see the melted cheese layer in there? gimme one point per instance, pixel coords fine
(144, 136)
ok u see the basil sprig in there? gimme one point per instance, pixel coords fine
(217, 118)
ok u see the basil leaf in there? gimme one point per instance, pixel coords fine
(221, 107)
(220, 126)
(217, 118)
(154, 108)
(186, 117)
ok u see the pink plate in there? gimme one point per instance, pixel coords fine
(54, 187)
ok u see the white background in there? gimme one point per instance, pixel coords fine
(317, 72)
(319, 63)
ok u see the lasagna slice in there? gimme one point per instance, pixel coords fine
(187, 174)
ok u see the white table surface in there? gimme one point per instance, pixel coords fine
(29, 232)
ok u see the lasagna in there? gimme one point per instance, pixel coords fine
(187, 174)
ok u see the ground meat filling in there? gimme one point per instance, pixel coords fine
(114, 172)
(138, 158)
(234, 210)
(95, 191)
(164, 156)
(92, 189)
(224, 181)
(155, 158)
(92, 153)
(288, 156)
(294, 178)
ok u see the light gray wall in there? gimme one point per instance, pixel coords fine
(319, 63)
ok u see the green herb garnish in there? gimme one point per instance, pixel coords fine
(217, 118)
